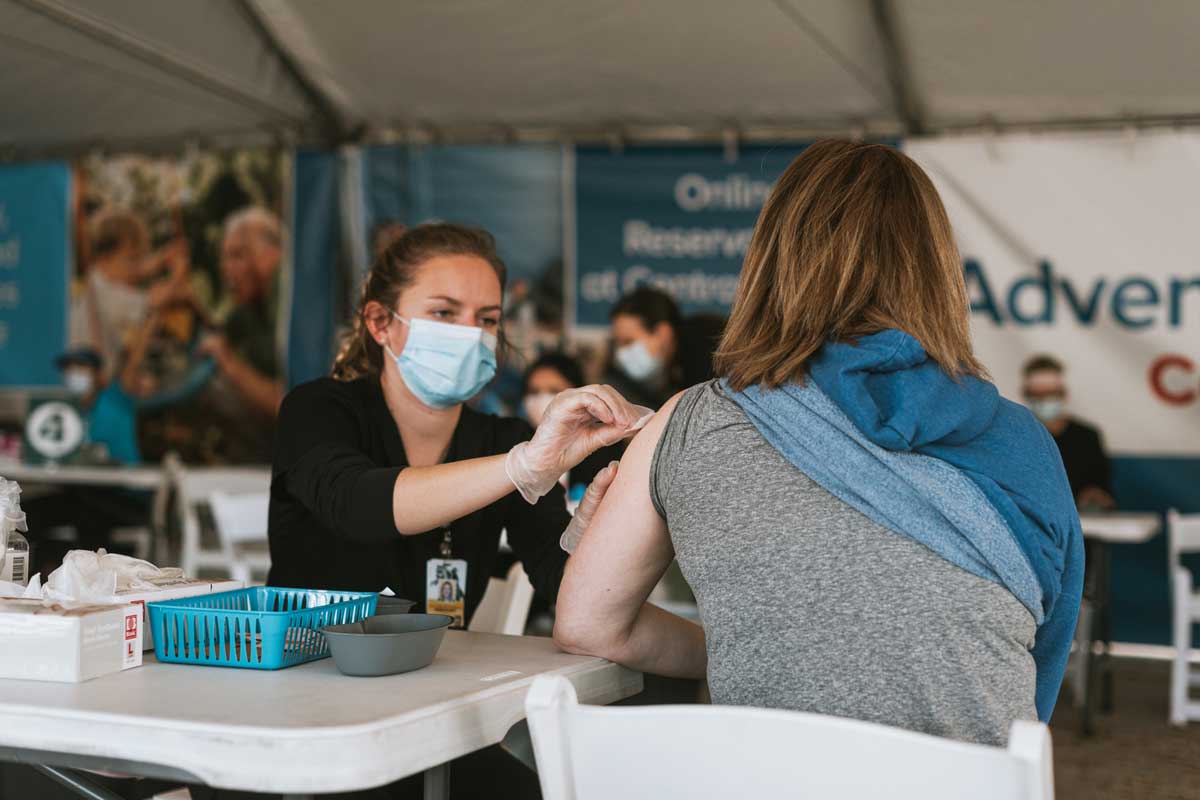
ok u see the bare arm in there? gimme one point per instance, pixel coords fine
(137, 354)
(319, 454)
(602, 609)
(425, 498)
(262, 393)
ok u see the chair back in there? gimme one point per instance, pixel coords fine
(654, 752)
(1183, 536)
(505, 606)
(240, 518)
(196, 485)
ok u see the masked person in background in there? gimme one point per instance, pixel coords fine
(384, 477)
(545, 378)
(1080, 444)
(656, 351)
(110, 409)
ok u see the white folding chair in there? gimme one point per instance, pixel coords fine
(241, 521)
(1183, 536)
(505, 605)
(194, 486)
(655, 752)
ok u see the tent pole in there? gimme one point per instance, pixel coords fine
(904, 94)
(332, 124)
(860, 75)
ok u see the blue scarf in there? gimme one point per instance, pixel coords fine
(948, 463)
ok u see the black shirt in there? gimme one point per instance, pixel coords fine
(337, 455)
(1084, 458)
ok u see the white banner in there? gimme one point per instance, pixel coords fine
(1085, 247)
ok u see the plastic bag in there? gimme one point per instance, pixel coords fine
(32, 591)
(12, 518)
(86, 577)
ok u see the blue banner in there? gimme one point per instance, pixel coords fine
(514, 192)
(676, 218)
(34, 263)
(314, 278)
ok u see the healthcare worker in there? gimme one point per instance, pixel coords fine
(656, 350)
(383, 477)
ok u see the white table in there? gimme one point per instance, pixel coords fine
(1121, 527)
(304, 730)
(150, 478)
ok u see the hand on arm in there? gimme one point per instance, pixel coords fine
(578, 422)
(602, 609)
(262, 393)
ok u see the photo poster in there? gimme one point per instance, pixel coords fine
(157, 275)
(675, 218)
(35, 256)
(1085, 247)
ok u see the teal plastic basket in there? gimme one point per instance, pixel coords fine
(259, 628)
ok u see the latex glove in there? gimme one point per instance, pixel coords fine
(587, 507)
(577, 423)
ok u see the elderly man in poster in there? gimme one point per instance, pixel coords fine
(246, 350)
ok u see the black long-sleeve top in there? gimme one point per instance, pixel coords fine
(337, 454)
(1086, 463)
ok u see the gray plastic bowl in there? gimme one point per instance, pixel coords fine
(386, 645)
(392, 605)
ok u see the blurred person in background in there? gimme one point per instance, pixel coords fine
(110, 410)
(246, 349)
(1044, 387)
(656, 351)
(114, 299)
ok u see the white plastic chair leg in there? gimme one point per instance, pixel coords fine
(1182, 636)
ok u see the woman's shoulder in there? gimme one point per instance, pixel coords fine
(327, 394)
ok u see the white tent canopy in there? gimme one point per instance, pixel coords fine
(81, 73)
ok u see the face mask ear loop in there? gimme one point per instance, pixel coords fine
(384, 343)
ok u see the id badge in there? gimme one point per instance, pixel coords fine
(446, 588)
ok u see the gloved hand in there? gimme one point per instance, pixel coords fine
(577, 423)
(587, 507)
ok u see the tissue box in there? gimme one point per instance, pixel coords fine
(170, 589)
(67, 645)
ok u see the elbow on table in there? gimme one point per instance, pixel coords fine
(583, 637)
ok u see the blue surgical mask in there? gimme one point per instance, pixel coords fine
(1047, 409)
(637, 362)
(444, 364)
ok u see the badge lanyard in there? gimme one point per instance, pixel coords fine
(446, 583)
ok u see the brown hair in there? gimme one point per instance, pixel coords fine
(853, 240)
(110, 229)
(393, 272)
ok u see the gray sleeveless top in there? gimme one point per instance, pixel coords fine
(809, 605)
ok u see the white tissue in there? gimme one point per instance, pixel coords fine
(86, 577)
(31, 592)
(387, 592)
